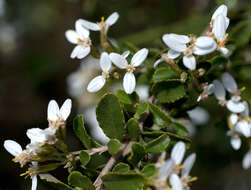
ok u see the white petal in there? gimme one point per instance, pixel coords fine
(219, 27)
(96, 84)
(245, 113)
(34, 182)
(204, 42)
(178, 152)
(175, 182)
(36, 135)
(89, 25)
(243, 128)
(246, 162)
(235, 107)
(83, 52)
(83, 33)
(198, 115)
(125, 54)
(233, 118)
(180, 38)
(13, 147)
(224, 50)
(129, 82)
(189, 62)
(187, 165)
(236, 142)
(105, 62)
(157, 62)
(166, 169)
(220, 10)
(219, 90)
(53, 111)
(65, 109)
(200, 51)
(173, 54)
(209, 89)
(118, 60)
(173, 43)
(112, 18)
(72, 36)
(139, 57)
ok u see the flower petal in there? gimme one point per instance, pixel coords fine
(173, 54)
(235, 107)
(139, 57)
(233, 118)
(224, 50)
(112, 19)
(229, 83)
(65, 109)
(13, 147)
(72, 36)
(129, 82)
(243, 128)
(34, 182)
(96, 84)
(178, 152)
(89, 25)
(180, 38)
(204, 42)
(245, 113)
(235, 142)
(36, 135)
(105, 62)
(198, 115)
(125, 54)
(157, 62)
(83, 33)
(118, 60)
(187, 165)
(166, 169)
(189, 62)
(220, 10)
(52, 111)
(80, 52)
(246, 162)
(219, 27)
(219, 90)
(175, 182)
(173, 43)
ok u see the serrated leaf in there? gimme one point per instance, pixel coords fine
(127, 98)
(121, 167)
(113, 146)
(84, 157)
(179, 129)
(158, 145)
(123, 181)
(164, 73)
(54, 182)
(148, 170)
(160, 118)
(133, 128)
(137, 153)
(77, 179)
(110, 117)
(141, 109)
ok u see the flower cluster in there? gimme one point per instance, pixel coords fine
(41, 140)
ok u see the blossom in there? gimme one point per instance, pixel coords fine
(207, 90)
(129, 81)
(221, 10)
(100, 26)
(188, 46)
(80, 37)
(98, 82)
(246, 162)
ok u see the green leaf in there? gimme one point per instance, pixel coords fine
(160, 118)
(158, 145)
(110, 117)
(169, 91)
(121, 167)
(148, 170)
(54, 182)
(164, 73)
(76, 179)
(137, 153)
(84, 157)
(98, 160)
(179, 129)
(81, 133)
(241, 33)
(123, 181)
(113, 146)
(133, 128)
(141, 109)
(229, 3)
(174, 137)
(127, 98)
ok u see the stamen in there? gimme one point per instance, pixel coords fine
(102, 19)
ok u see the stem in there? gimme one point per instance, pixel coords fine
(92, 151)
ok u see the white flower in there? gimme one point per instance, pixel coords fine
(178, 44)
(100, 26)
(219, 92)
(171, 54)
(98, 82)
(56, 115)
(40, 136)
(221, 10)
(80, 37)
(198, 115)
(235, 140)
(207, 90)
(129, 81)
(246, 162)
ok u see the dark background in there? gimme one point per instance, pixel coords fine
(35, 61)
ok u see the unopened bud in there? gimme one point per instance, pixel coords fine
(201, 71)
(183, 77)
(116, 75)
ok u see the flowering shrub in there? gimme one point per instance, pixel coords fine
(144, 137)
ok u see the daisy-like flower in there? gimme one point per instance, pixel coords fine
(100, 26)
(207, 90)
(129, 81)
(80, 37)
(98, 82)
(246, 162)
(188, 46)
(58, 116)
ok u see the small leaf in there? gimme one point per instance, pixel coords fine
(160, 118)
(179, 129)
(54, 182)
(76, 179)
(110, 117)
(158, 145)
(84, 157)
(127, 98)
(133, 128)
(164, 73)
(98, 160)
(141, 109)
(137, 153)
(113, 146)
(148, 170)
(121, 167)
(123, 181)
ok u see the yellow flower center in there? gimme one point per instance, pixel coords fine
(105, 74)
(130, 68)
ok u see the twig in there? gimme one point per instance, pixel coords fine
(92, 151)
